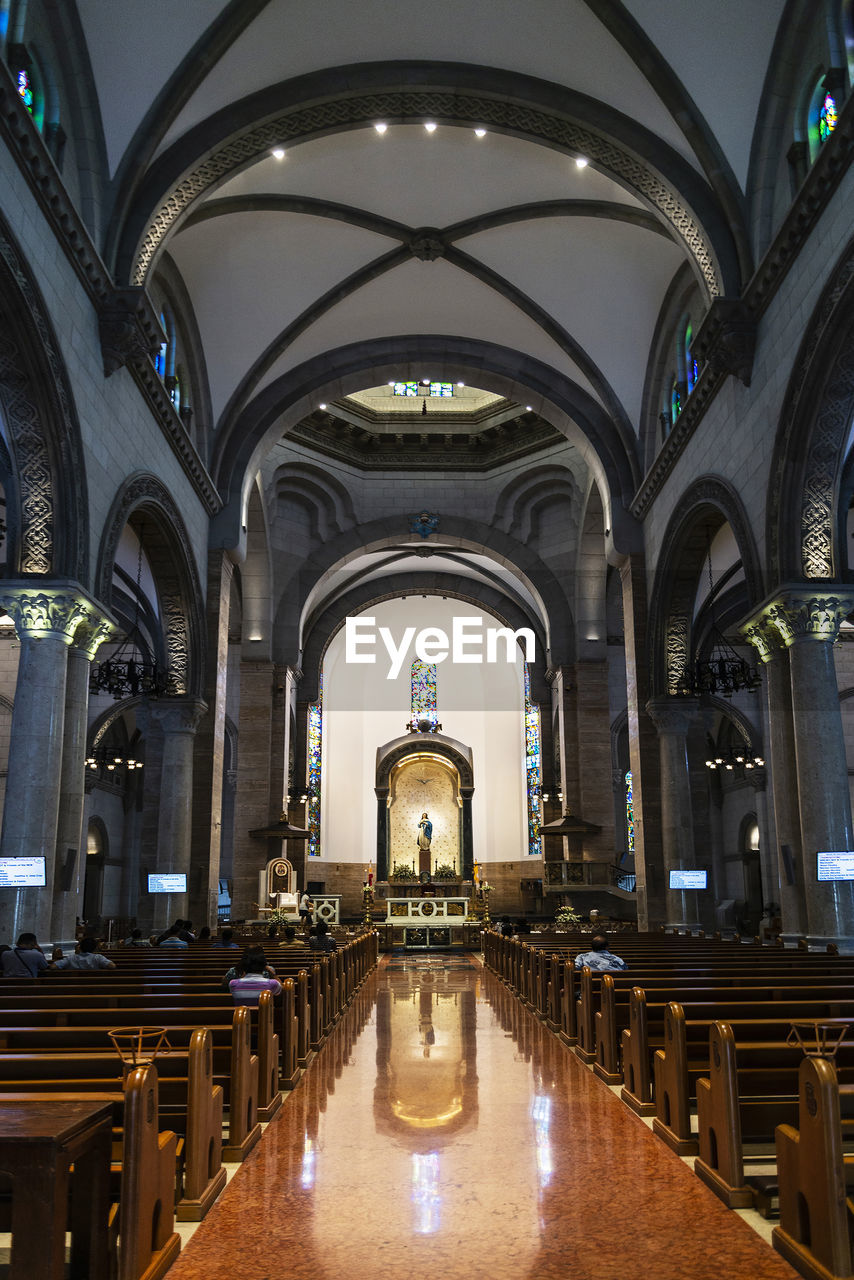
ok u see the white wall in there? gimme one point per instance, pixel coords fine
(481, 706)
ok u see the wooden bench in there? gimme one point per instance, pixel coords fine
(142, 1224)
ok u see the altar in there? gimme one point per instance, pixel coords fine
(426, 922)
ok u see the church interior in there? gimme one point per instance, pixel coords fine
(427, 487)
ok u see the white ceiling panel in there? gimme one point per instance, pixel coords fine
(132, 55)
(428, 298)
(720, 49)
(604, 282)
(424, 179)
(249, 275)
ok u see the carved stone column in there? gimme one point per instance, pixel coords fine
(178, 719)
(809, 624)
(673, 718)
(593, 736)
(46, 619)
(780, 749)
(643, 748)
(253, 805)
(70, 854)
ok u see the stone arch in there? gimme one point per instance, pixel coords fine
(398, 749)
(330, 621)
(803, 514)
(515, 505)
(42, 429)
(144, 499)
(591, 572)
(453, 94)
(707, 505)
(605, 446)
(323, 494)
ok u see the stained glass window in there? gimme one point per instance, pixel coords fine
(423, 691)
(533, 769)
(675, 402)
(406, 388)
(315, 731)
(440, 390)
(690, 362)
(25, 89)
(630, 814)
(827, 117)
(444, 390)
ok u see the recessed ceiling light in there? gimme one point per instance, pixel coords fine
(321, 405)
(581, 162)
(461, 384)
(380, 128)
(430, 126)
(391, 384)
(480, 133)
(528, 408)
(279, 153)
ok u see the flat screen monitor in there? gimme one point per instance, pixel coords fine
(836, 866)
(173, 882)
(688, 879)
(21, 873)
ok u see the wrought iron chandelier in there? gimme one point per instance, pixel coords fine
(126, 674)
(723, 672)
(734, 760)
(112, 762)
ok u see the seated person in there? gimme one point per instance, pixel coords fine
(291, 942)
(25, 960)
(226, 941)
(87, 956)
(522, 926)
(204, 936)
(321, 939)
(173, 937)
(505, 927)
(251, 956)
(253, 976)
(600, 959)
(136, 939)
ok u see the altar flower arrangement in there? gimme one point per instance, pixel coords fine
(280, 916)
(566, 918)
(445, 871)
(401, 871)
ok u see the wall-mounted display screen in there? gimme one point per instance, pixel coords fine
(21, 873)
(688, 879)
(173, 882)
(836, 866)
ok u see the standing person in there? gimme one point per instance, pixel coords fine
(306, 911)
(25, 960)
(600, 959)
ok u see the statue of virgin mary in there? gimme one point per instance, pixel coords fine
(425, 832)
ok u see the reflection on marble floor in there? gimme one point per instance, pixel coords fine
(442, 1130)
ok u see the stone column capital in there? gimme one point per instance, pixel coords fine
(63, 610)
(809, 615)
(673, 715)
(178, 715)
(760, 632)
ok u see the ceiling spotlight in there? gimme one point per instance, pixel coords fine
(581, 162)
(321, 405)
(278, 153)
(380, 128)
(528, 408)
(480, 133)
(430, 126)
(461, 384)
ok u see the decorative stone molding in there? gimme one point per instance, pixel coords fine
(764, 637)
(92, 633)
(726, 340)
(129, 327)
(62, 610)
(673, 715)
(800, 616)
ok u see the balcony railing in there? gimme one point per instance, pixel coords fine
(560, 876)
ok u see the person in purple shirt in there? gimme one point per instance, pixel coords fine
(600, 959)
(253, 978)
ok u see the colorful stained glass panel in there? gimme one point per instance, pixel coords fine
(315, 734)
(828, 117)
(630, 814)
(25, 89)
(533, 769)
(423, 695)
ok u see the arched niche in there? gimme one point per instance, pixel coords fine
(455, 757)
(425, 783)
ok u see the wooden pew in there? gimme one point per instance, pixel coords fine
(204, 1177)
(244, 1129)
(144, 1220)
(816, 1178)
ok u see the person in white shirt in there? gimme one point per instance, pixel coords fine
(87, 956)
(306, 911)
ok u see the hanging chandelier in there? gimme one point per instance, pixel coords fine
(724, 672)
(111, 763)
(125, 674)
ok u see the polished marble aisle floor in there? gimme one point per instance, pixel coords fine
(443, 1132)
